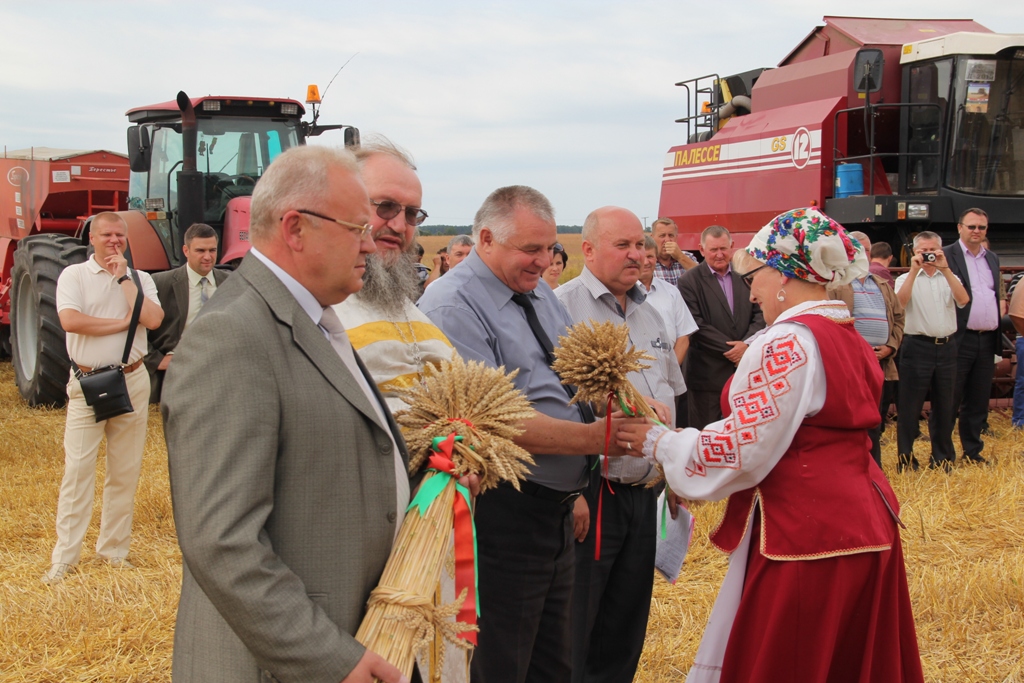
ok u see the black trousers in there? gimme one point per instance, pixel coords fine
(975, 367)
(926, 368)
(705, 407)
(612, 596)
(888, 390)
(526, 560)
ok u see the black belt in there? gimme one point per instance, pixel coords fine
(931, 340)
(552, 495)
(981, 332)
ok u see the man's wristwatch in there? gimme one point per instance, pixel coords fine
(124, 277)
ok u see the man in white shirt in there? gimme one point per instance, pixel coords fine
(667, 300)
(95, 300)
(930, 294)
(183, 292)
(612, 594)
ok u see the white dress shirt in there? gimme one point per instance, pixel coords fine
(931, 310)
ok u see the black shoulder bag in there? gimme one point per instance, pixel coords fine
(105, 389)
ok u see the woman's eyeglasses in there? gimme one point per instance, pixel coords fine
(748, 278)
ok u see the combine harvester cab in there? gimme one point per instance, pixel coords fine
(191, 160)
(47, 197)
(892, 126)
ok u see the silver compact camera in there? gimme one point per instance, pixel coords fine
(928, 257)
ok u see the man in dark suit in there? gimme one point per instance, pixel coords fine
(720, 303)
(977, 328)
(288, 502)
(183, 292)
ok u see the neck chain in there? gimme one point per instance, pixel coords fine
(417, 355)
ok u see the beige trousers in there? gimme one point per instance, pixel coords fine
(126, 436)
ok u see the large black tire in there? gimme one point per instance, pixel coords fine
(38, 351)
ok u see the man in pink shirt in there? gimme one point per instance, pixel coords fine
(977, 332)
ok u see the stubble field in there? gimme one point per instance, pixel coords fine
(964, 550)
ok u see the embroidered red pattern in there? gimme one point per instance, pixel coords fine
(751, 408)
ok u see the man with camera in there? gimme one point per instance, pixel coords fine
(95, 300)
(930, 294)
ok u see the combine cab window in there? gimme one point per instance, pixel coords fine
(987, 144)
(929, 86)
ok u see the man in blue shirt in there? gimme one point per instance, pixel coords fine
(494, 308)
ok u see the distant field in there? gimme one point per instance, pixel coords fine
(571, 242)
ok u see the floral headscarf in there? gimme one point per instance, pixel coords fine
(808, 245)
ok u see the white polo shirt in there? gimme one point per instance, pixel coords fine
(89, 289)
(931, 310)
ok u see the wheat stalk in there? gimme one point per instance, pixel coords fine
(482, 406)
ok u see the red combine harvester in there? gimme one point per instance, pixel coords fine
(893, 126)
(189, 160)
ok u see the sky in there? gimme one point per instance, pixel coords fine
(576, 99)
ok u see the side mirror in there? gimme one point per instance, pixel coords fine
(351, 137)
(867, 70)
(139, 149)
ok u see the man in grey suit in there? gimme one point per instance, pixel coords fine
(286, 504)
(720, 303)
(183, 292)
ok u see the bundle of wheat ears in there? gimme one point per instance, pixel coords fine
(461, 420)
(596, 358)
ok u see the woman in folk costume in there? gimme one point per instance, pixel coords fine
(816, 588)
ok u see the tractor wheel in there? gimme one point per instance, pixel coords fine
(38, 351)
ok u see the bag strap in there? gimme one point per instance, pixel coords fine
(136, 312)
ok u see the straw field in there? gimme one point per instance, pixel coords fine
(964, 550)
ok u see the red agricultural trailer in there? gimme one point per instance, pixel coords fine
(189, 160)
(51, 191)
(892, 125)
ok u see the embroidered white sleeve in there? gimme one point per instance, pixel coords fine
(779, 381)
(652, 438)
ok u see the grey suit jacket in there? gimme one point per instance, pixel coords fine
(283, 484)
(172, 288)
(706, 368)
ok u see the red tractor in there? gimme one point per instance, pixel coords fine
(893, 126)
(189, 160)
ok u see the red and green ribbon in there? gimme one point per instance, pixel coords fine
(466, 568)
(630, 410)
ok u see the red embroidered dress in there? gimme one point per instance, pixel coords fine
(816, 589)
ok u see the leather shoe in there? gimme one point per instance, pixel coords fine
(121, 563)
(975, 458)
(907, 462)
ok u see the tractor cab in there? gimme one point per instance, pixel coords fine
(199, 159)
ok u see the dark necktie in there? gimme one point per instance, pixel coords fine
(524, 302)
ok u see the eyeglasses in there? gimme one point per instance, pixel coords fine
(361, 229)
(980, 228)
(748, 278)
(388, 209)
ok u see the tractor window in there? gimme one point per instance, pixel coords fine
(987, 144)
(233, 153)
